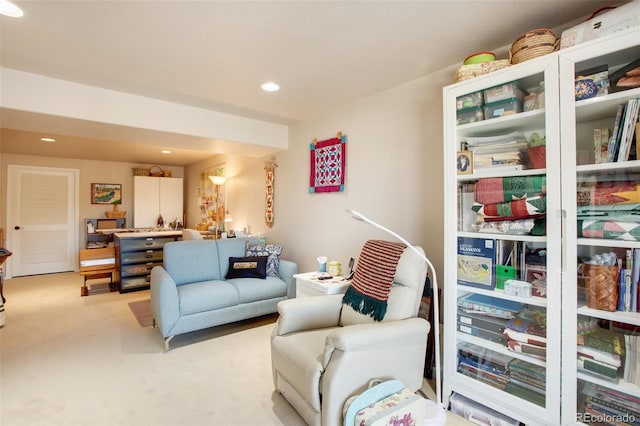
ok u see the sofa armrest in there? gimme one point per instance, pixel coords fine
(308, 313)
(286, 269)
(165, 305)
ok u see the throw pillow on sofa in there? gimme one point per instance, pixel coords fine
(273, 251)
(247, 267)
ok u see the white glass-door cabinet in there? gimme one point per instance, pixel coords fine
(523, 234)
(599, 383)
(503, 222)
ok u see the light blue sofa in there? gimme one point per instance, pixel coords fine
(190, 292)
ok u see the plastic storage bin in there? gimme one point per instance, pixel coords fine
(502, 108)
(503, 92)
(470, 115)
(479, 414)
(470, 100)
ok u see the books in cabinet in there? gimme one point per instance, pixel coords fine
(476, 262)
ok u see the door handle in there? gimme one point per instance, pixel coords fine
(17, 228)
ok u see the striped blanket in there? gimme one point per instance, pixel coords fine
(374, 275)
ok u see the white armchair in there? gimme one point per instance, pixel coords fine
(323, 351)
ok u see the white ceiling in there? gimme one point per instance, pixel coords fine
(215, 54)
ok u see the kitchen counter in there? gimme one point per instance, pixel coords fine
(138, 233)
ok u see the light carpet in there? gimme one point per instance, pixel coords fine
(67, 360)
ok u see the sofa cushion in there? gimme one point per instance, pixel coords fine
(192, 261)
(206, 296)
(247, 267)
(272, 250)
(229, 247)
(252, 289)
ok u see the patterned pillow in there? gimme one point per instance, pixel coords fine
(273, 251)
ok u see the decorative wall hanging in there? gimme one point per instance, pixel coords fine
(106, 193)
(269, 168)
(328, 164)
(211, 198)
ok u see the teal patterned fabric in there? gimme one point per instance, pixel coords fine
(273, 251)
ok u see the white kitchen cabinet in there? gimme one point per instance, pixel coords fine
(154, 196)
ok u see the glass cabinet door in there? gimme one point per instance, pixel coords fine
(601, 198)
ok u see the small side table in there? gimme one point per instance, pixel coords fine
(308, 285)
(97, 263)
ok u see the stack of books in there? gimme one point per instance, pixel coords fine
(489, 367)
(503, 152)
(601, 402)
(600, 353)
(486, 317)
(528, 381)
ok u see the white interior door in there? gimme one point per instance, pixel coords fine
(42, 213)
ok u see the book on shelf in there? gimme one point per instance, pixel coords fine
(600, 145)
(600, 368)
(476, 262)
(631, 371)
(628, 126)
(466, 216)
(614, 140)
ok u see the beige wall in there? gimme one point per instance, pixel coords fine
(393, 176)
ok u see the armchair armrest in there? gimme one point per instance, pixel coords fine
(308, 313)
(165, 305)
(359, 336)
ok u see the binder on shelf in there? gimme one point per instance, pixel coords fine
(483, 334)
(486, 322)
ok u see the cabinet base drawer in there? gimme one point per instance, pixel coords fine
(138, 269)
(135, 283)
(141, 257)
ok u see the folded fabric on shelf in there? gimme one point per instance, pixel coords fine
(503, 189)
(518, 209)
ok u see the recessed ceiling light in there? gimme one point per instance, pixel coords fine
(165, 151)
(47, 139)
(9, 9)
(270, 86)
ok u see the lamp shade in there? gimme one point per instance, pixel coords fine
(218, 180)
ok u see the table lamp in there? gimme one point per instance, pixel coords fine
(440, 417)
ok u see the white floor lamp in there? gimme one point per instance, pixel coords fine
(440, 417)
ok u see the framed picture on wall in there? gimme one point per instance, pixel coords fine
(106, 193)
